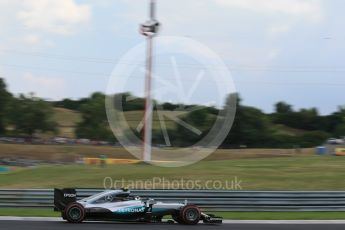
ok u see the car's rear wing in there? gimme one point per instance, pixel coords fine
(63, 197)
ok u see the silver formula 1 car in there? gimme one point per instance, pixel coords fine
(120, 205)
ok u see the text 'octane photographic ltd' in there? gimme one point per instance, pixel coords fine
(234, 184)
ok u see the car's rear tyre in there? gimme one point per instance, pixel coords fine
(74, 213)
(190, 215)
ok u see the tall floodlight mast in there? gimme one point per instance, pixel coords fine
(149, 29)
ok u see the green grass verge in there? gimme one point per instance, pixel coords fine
(281, 215)
(27, 212)
(284, 173)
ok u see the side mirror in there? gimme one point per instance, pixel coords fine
(150, 202)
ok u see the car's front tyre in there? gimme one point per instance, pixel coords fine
(189, 215)
(74, 213)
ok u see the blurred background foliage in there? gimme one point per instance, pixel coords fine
(27, 115)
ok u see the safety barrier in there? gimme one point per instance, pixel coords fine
(207, 199)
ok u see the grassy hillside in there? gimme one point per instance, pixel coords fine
(284, 130)
(135, 117)
(67, 120)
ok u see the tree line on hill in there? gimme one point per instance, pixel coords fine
(24, 115)
(284, 128)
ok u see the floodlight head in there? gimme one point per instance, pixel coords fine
(149, 28)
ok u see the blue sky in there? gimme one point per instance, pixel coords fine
(290, 50)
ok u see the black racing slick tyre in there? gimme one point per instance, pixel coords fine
(74, 213)
(190, 215)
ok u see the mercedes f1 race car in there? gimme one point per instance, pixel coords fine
(120, 205)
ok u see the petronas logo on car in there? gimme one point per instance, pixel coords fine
(132, 210)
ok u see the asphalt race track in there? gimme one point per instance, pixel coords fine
(58, 225)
